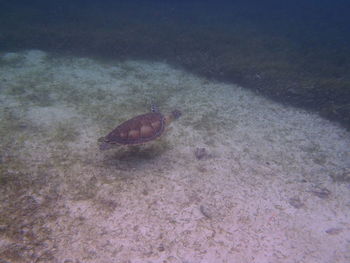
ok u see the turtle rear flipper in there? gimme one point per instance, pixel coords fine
(103, 144)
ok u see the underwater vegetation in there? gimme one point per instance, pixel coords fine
(24, 208)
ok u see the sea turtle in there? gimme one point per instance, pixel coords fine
(140, 129)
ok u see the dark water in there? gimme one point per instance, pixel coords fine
(296, 52)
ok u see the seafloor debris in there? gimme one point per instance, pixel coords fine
(323, 193)
(205, 211)
(342, 176)
(334, 230)
(295, 202)
(202, 154)
(161, 248)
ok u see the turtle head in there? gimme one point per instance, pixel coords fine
(175, 114)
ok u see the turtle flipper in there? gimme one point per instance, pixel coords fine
(106, 146)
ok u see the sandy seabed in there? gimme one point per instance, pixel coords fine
(271, 185)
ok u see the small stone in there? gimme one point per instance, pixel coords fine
(323, 193)
(334, 231)
(201, 154)
(342, 176)
(295, 202)
(202, 169)
(205, 211)
(161, 248)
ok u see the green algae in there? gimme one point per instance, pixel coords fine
(64, 132)
(24, 212)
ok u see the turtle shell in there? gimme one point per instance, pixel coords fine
(140, 129)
